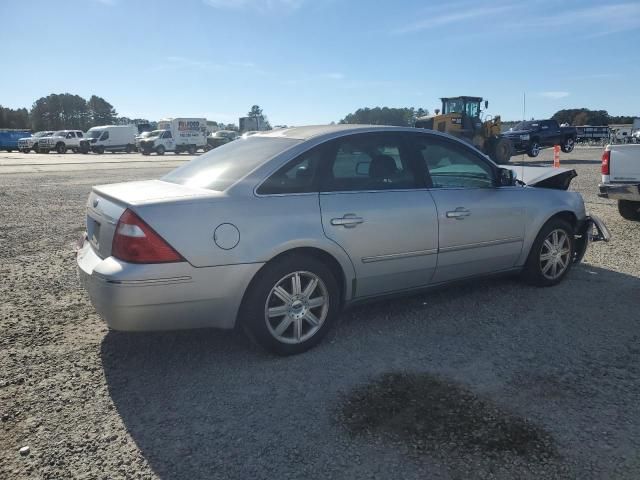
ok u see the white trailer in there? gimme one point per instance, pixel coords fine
(111, 138)
(176, 135)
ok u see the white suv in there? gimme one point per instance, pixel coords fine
(61, 141)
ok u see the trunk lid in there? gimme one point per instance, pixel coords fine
(106, 204)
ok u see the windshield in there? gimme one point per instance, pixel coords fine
(222, 167)
(59, 133)
(526, 125)
(94, 133)
(155, 133)
(41, 134)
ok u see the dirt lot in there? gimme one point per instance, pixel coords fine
(493, 379)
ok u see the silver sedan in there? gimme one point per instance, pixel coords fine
(277, 232)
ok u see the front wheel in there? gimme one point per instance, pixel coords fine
(128, 148)
(61, 148)
(501, 151)
(291, 305)
(534, 149)
(629, 210)
(191, 150)
(26, 150)
(551, 255)
(160, 150)
(568, 145)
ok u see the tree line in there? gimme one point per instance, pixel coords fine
(400, 117)
(584, 116)
(60, 111)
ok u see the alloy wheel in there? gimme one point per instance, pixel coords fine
(296, 307)
(555, 254)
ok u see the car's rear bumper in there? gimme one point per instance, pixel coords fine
(173, 296)
(620, 191)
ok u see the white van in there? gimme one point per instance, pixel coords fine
(112, 138)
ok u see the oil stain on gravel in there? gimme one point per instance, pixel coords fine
(429, 414)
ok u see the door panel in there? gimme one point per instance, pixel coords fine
(487, 238)
(390, 236)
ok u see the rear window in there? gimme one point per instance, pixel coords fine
(223, 166)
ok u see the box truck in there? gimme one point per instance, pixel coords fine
(176, 135)
(110, 138)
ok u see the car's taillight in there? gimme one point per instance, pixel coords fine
(606, 158)
(136, 242)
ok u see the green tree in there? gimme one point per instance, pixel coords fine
(401, 117)
(101, 111)
(18, 118)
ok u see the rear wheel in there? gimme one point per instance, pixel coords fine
(629, 210)
(26, 150)
(568, 145)
(291, 305)
(160, 150)
(534, 149)
(551, 255)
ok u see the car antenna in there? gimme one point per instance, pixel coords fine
(524, 119)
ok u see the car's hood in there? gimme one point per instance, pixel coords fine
(545, 177)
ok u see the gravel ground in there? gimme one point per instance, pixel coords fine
(492, 379)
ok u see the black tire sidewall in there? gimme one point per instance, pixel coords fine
(532, 271)
(629, 210)
(251, 316)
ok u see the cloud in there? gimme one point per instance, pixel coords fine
(439, 17)
(255, 5)
(554, 95)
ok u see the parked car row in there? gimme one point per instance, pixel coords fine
(176, 135)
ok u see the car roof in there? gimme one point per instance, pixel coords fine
(311, 131)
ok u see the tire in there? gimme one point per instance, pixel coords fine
(160, 150)
(192, 149)
(146, 152)
(501, 151)
(99, 149)
(128, 149)
(177, 151)
(568, 145)
(292, 331)
(629, 210)
(61, 148)
(26, 150)
(534, 149)
(74, 150)
(9, 150)
(558, 252)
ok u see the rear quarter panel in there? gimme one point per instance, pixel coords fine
(267, 226)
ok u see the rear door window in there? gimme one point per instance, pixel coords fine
(297, 176)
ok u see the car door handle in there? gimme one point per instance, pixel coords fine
(348, 221)
(459, 213)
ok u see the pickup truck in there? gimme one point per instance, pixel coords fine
(26, 144)
(61, 141)
(621, 178)
(532, 136)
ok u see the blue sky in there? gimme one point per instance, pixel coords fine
(314, 61)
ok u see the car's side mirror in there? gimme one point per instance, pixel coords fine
(486, 104)
(506, 177)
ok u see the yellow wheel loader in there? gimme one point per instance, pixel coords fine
(460, 117)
